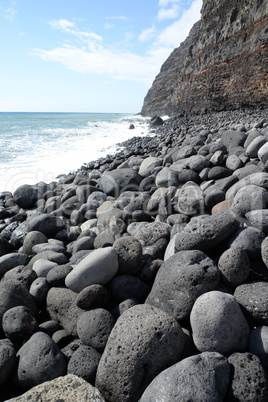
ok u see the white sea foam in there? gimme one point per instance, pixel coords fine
(41, 151)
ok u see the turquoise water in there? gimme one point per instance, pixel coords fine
(40, 146)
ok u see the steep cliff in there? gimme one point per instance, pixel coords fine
(223, 63)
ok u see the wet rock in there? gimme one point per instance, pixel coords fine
(203, 377)
(218, 324)
(190, 274)
(143, 342)
(94, 327)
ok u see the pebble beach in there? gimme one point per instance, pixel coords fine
(143, 276)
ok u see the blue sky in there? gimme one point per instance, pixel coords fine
(87, 55)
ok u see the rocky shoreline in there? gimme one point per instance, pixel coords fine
(144, 275)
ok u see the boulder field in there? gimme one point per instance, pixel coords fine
(144, 275)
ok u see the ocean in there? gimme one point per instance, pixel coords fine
(38, 147)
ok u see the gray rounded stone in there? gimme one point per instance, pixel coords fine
(12, 260)
(253, 148)
(207, 233)
(42, 267)
(218, 324)
(99, 267)
(116, 181)
(258, 219)
(234, 266)
(25, 196)
(31, 239)
(56, 276)
(47, 224)
(84, 243)
(167, 177)
(252, 298)
(7, 360)
(264, 251)
(249, 380)
(258, 344)
(61, 307)
(196, 163)
(129, 251)
(143, 342)
(84, 363)
(233, 162)
(127, 286)
(232, 138)
(203, 377)
(93, 296)
(58, 258)
(248, 239)
(259, 179)
(39, 289)
(263, 153)
(13, 294)
(148, 165)
(22, 274)
(191, 200)
(190, 274)
(149, 233)
(40, 359)
(19, 324)
(94, 327)
(249, 198)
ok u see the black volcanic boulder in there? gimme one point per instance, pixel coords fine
(156, 121)
(25, 196)
(181, 280)
(143, 342)
(47, 224)
(116, 181)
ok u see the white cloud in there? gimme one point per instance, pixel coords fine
(169, 13)
(121, 66)
(62, 24)
(10, 13)
(175, 33)
(147, 34)
(164, 3)
(108, 26)
(118, 17)
(97, 58)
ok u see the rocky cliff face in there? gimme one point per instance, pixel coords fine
(223, 64)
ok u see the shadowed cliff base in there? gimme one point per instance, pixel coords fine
(222, 65)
